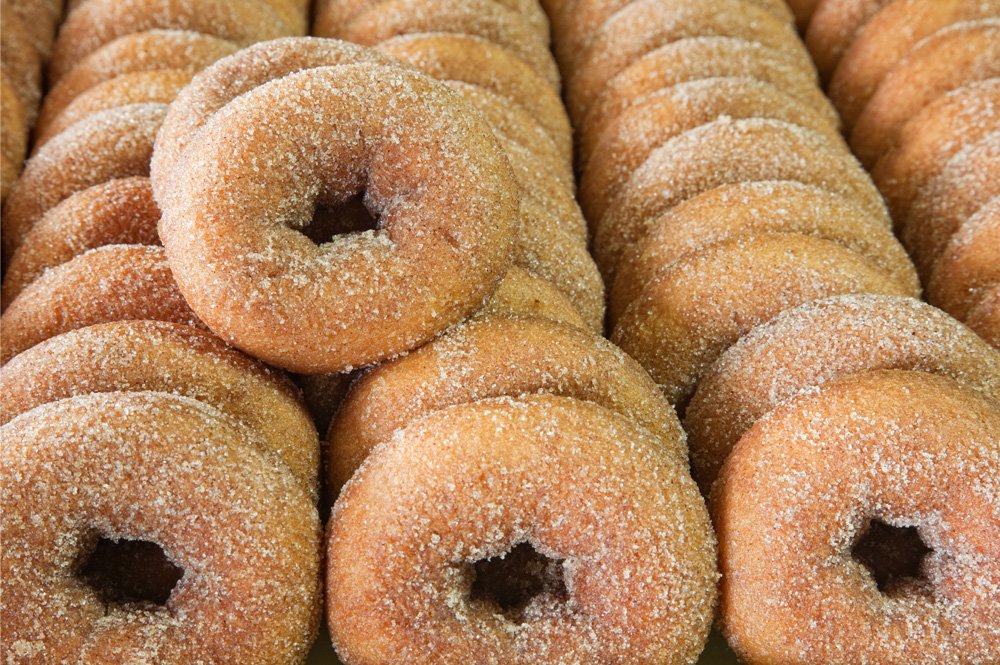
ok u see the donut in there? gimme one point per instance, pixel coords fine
(557, 505)
(39, 19)
(696, 58)
(877, 462)
(644, 25)
(722, 152)
(811, 345)
(112, 283)
(931, 138)
(523, 294)
(154, 87)
(803, 11)
(952, 58)
(134, 356)
(140, 52)
(746, 209)
(22, 64)
(984, 318)
(966, 183)
(703, 303)
(120, 211)
(112, 144)
(493, 357)
(969, 265)
(539, 181)
(887, 39)
(98, 22)
(13, 137)
(441, 247)
(239, 534)
(833, 27)
(664, 115)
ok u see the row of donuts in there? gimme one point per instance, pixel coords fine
(26, 34)
(496, 56)
(917, 83)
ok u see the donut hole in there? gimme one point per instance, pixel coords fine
(133, 572)
(510, 584)
(350, 215)
(893, 555)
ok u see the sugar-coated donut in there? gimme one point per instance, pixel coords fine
(120, 211)
(749, 208)
(22, 64)
(833, 27)
(523, 294)
(166, 470)
(808, 346)
(111, 283)
(13, 137)
(442, 246)
(703, 303)
(808, 484)
(493, 357)
(135, 356)
(984, 317)
(608, 552)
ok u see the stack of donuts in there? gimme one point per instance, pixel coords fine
(917, 83)
(496, 55)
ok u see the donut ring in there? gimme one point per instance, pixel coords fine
(887, 39)
(919, 451)
(473, 362)
(969, 265)
(523, 294)
(13, 138)
(112, 144)
(952, 58)
(140, 52)
(136, 356)
(112, 283)
(98, 22)
(723, 152)
(338, 305)
(748, 209)
(703, 303)
(696, 58)
(522, 460)
(645, 25)
(984, 318)
(82, 468)
(927, 142)
(478, 18)
(833, 28)
(666, 114)
(811, 345)
(541, 187)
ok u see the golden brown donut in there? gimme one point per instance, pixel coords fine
(802, 496)
(116, 143)
(21, 62)
(140, 52)
(98, 22)
(441, 247)
(39, 19)
(120, 211)
(931, 138)
(133, 356)
(523, 294)
(984, 318)
(722, 152)
(809, 346)
(551, 483)
(833, 27)
(175, 473)
(13, 136)
(661, 116)
(887, 39)
(703, 303)
(948, 60)
(747, 209)
(111, 283)
(493, 357)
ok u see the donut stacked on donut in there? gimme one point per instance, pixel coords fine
(495, 55)
(917, 83)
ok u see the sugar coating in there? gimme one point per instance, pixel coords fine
(834, 26)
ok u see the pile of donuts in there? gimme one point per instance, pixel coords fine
(917, 83)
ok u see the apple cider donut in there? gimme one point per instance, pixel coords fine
(236, 528)
(22, 63)
(703, 303)
(820, 482)
(572, 535)
(723, 152)
(13, 137)
(112, 144)
(808, 346)
(952, 58)
(441, 247)
(747, 209)
(523, 294)
(984, 318)
(833, 28)
(494, 357)
(112, 283)
(140, 52)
